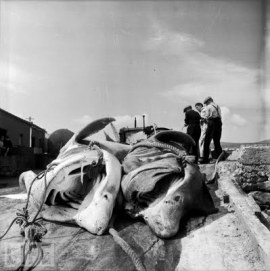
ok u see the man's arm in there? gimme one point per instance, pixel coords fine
(219, 111)
(186, 120)
(207, 112)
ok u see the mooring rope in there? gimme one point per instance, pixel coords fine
(33, 235)
(32, 231)
(126, 247)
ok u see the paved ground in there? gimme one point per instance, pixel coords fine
(218, 242)
(9, 185)
(215, 242)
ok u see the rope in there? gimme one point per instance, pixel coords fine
(9, 227)
(212, 179)
(38, 259)
(25, 256)
(33, 236)
(130, 252)
(38, 177)
(20, 268)
(32, 230)
(22, 216)
(123, 244)
(158, 145)
(45, 190)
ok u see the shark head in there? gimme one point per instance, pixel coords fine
(81, 185)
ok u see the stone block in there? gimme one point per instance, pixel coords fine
(263, 186)
(253, 204)
(226, 167)
(257, 231)
(268, 213)
(238, 172)
(255, 156)
(235, 155)
(256, 179)
(262, 173)
(249, 169)
(261, 197)
(248, 187)
(246, 175)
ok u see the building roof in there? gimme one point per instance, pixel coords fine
(22, 120)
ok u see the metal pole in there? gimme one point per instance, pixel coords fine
(30, 136)
(30, 133)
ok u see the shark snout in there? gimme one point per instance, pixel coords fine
(96, 217)
(94, 226)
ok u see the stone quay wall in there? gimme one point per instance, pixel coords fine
(252, 173)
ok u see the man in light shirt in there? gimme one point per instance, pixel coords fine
(212, 113)
(203, 124)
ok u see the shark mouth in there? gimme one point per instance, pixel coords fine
(81, 185)
(149, 183)
(150, 189)
(80, 188)
(161, 183)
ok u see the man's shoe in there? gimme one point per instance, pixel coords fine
(202, 161)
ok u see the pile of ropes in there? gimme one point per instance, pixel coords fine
(32, 230)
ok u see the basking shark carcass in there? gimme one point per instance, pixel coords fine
(81, 185)
(158, 181)
(161, 184)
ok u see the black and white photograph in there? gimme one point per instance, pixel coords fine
(135, 135)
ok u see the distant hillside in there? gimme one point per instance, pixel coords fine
(231, 145)
(265, 141)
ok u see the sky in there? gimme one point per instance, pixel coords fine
(67, 63)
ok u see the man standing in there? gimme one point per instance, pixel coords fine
(192, 121)
(203, 124)
(214, 128)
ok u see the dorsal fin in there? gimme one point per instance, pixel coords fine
(90, 129)
(107, 137)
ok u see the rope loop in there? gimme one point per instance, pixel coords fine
(32, 231)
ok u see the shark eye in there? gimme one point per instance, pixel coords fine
(177, 198)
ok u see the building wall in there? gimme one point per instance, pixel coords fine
(18, 131)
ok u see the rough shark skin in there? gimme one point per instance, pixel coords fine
(77, 191)
(160, 186)
(82, 184)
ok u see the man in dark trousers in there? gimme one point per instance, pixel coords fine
(214, 128)
(192, 121)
